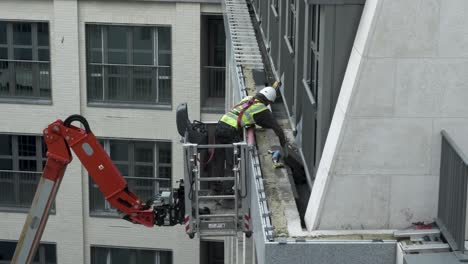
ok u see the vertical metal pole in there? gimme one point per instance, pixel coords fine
(243, 247)
(237, 249)
(196, 170)
(36, 220)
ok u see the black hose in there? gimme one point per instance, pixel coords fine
(78, 118)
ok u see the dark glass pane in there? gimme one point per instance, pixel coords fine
(144, 171)
(27, 165)
(95, 55)
(117, 83)
(123, 168)
(3, 53)
(164, 172)
(95, 88)
(3, 32)
(94, 43)
(144, 152)
(43, 148)
(165, 257)
(164, 59)
(120, 256)
(27, 191)
(164, 38)
(43, 54)
(5, 145)
(23, 72)
(118, 150)
(117, 37)
(44, 80)
(27, 146)
(117, 57)
(96, 199)
(143, 84)
(146, 257)
(164, 84)
(164, 152)
(118, 89)
(7, 249)
(142, 38)
(7, 191)
(143, 58)
(4, 78)
(6, 164)
(98, 255)
(22, 34)
(43, 34)
(94, 37)
(50, 254)
(23, 54)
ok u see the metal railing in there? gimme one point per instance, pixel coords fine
(17, 188)
(121, 83)
(214, 81)
(145, 188)
(451, 216)
(25, 79)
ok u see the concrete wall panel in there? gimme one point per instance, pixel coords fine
(406, 29)
(349, 212)
(376, 94)
(453, 28)
(385, 146)
(406, 205)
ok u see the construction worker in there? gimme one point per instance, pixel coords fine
(250, 111)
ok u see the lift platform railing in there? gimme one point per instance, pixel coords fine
(206, 213)
(453, 190)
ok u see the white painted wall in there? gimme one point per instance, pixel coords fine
(406, 80)
(72, 228)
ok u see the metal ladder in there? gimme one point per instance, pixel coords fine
(220, 222)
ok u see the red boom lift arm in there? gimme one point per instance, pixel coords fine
(59, 137)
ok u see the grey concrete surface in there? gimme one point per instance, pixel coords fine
(406, 81)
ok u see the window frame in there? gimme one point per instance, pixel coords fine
(291, 24)
(157, 69)
(38, 67)
(134, 251)
(107, 210)
(212, 73)
(41, 250)
(16, 159)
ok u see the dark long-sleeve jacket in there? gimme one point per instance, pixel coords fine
(265, 119)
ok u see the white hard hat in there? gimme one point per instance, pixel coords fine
(269, 92)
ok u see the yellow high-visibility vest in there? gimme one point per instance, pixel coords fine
(250, 106)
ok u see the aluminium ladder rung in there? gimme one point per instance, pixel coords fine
(216, 179)
(217, 215)
(209, 197)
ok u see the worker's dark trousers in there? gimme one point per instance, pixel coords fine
(225, 134)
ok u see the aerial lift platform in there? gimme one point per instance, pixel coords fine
(196, 203)
(216, 200)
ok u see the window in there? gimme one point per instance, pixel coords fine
(128, 64)
(213, 81)
(291, 24)
(21, 161)
(274, 4)
(146, 166)
(312, 70)
(24, 60)
(106, 255)
(46, 253)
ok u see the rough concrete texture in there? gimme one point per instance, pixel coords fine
(405, 82)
